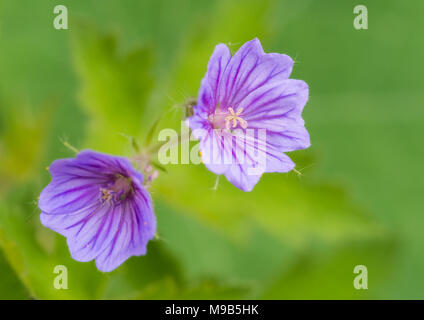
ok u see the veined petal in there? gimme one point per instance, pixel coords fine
(98, 203)
(214, 152)
(252, 92)
(137, 225)
(278, 108)
(270, 105)
(277, 161)
(75, 182)
(72, 188)
(291, 138)
(216, 67)
(92, 235)
(254, 157)
(237, 174)
(249, 69)
(205, 100)
(249, 161)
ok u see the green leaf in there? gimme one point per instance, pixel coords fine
(291, 208)
(33, 252)
(135, 145)
(329, 275)
(139, 273)
(114, 86)
(11, 286)
(23, 136)
(151, 132)
(33, 259)
(158, 166)
(204, 290)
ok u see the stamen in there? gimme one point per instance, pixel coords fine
(116, 191)
(234, 117)
(106, 195)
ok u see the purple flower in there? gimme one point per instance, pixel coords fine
(248, 114)
(99, 204)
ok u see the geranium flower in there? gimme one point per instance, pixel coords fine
(97, 201)
(248, 113)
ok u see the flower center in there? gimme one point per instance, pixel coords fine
(228, 120)
(117, 190)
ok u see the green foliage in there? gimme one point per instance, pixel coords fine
(115, 86)
(12, 287)
(22, 138)
(206, 289)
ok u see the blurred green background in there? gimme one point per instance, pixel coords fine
(123, 64)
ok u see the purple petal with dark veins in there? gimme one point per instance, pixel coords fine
(109, 229)
(256, 86)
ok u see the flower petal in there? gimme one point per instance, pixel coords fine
(217, 64)
(72, 188)
(205, 100)
(294, 137)
(137, 225)
(93, 234)
(249, 69)
(248, 161)
(76, 182)
(254, 89)
(268, 106)
(215, 155)
(278, 108)
(253, 157)
(71, 206)
(240, 178)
